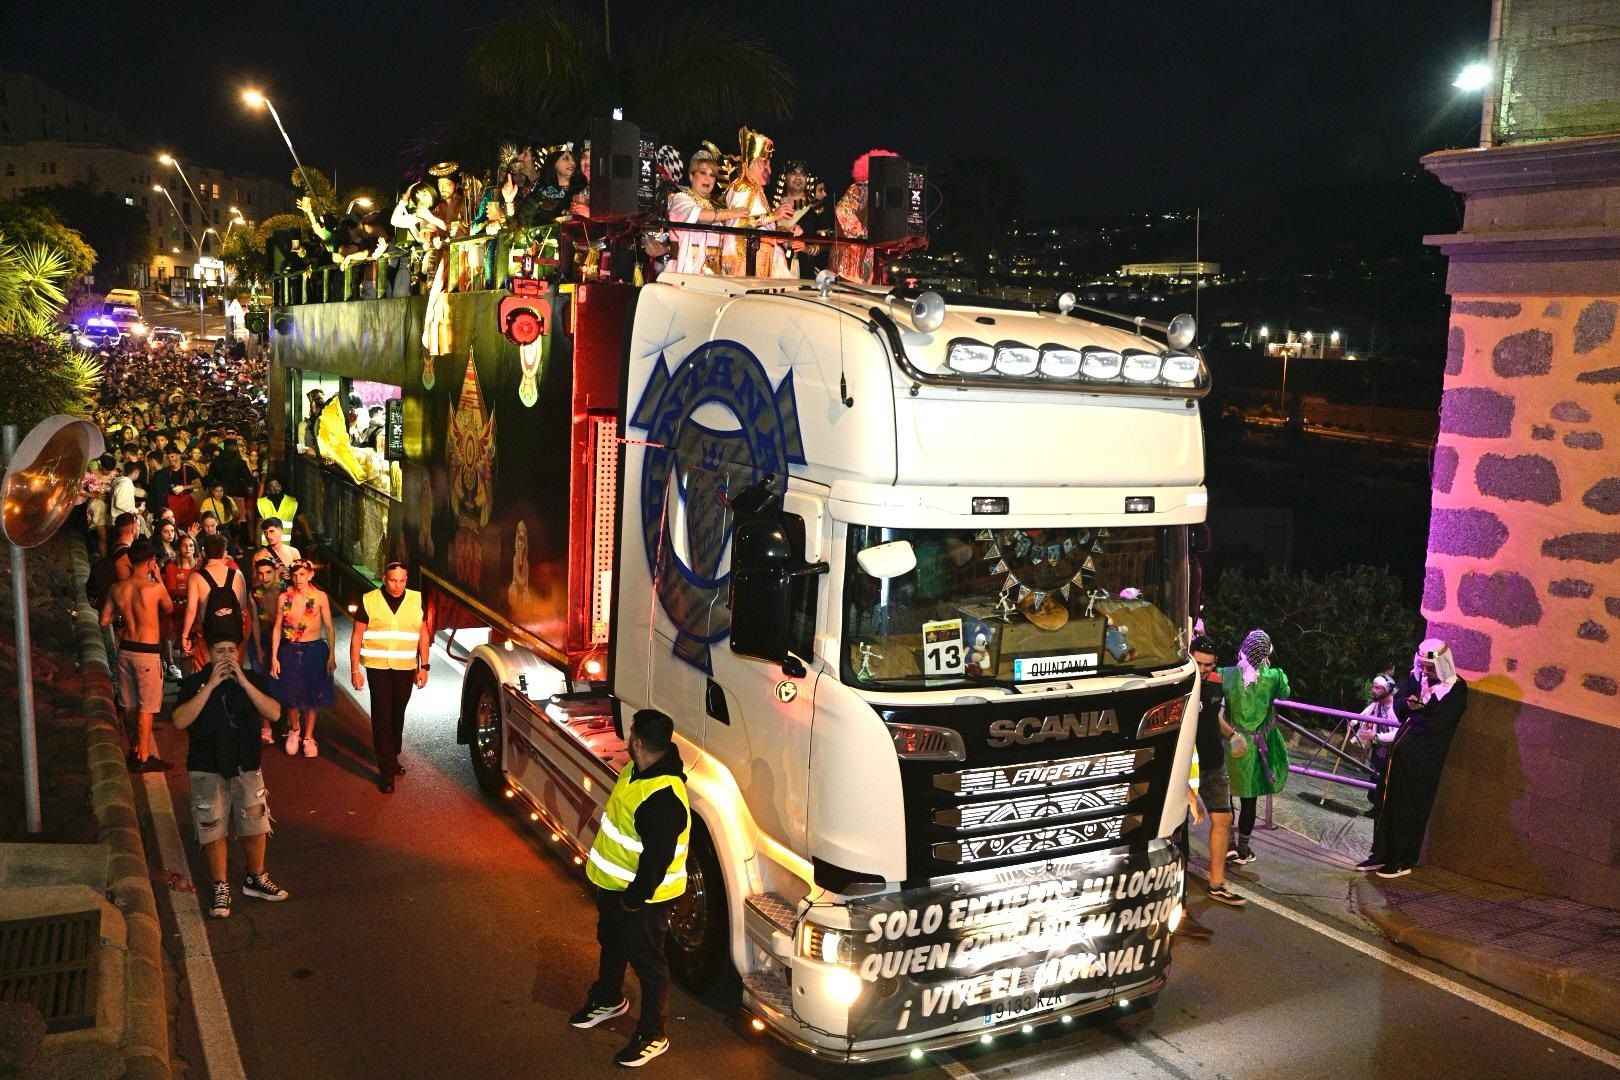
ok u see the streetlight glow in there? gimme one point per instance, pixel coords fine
(1473, 77)
(253, 98)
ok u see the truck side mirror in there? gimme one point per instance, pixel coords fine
(767, 558)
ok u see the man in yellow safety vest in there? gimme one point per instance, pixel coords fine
(390, 641)
(277, 504)
(638, 864)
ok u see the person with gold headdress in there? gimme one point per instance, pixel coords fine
(695, 251)
(748, 194)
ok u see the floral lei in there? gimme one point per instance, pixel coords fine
(292, 633)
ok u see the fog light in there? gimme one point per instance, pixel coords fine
(1139, 504)
(843, 986)
(970, 357)
(986, 1040)
(757, 1024)
(1028, 1029)
(990, 504)
(916, 1053)
(1142, 366)
(1101, 364)
(1017, 360)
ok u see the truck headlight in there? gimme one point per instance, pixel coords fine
(826, 944)
(1101, 364)
(970, 357)
(1179, 368)
(1142, 366)
(924, 742)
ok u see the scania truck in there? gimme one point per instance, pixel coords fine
(908, 570)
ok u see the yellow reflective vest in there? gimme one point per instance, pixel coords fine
(284, 511)
(616, 853)
(390, 637)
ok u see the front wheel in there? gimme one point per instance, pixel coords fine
(484, 734)
(699, 939)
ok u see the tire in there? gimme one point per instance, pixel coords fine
(484, 733)
(698, 945)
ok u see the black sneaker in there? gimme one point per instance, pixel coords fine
(1244, 856)
(592, 1014)
(1394, 870)
(1369, 864)
(261, 886)
(1190, 927)
(640, 1050)
(154, 764)
(1231, 854)
(1223, 895)
(221, 907)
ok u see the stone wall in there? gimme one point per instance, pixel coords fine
(1523, 574)
(1523, 568)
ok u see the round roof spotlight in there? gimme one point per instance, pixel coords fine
(1183, 329)
(928, 312)
(1066, 302)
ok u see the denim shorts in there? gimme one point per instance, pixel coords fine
(218, 804)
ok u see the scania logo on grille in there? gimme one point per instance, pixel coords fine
(1039, 729)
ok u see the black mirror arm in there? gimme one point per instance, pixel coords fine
(794, 668)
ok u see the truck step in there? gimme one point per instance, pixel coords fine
(572, 705)
(775, 910)
(770, 988)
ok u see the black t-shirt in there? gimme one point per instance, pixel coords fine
(1209, 741)
(225, 735)
(393, 603)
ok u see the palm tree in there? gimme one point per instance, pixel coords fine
(552, 64)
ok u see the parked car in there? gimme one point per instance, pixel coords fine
(127, 319)
(167, 335)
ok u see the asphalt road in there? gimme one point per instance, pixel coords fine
(430, 933)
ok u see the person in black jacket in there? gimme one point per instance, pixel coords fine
(638, 864)
(1430, 705)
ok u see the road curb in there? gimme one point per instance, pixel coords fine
(1568, 991)
(145, 1047)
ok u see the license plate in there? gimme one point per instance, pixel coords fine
(1022, 1005)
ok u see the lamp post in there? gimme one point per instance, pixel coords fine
(362, 202)
(254, 99)
(201, 316)
(174, 163)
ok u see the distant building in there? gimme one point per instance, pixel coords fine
(47, 140)
(1523, 574)
(1182, 272)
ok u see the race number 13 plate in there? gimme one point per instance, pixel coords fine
(943, 653)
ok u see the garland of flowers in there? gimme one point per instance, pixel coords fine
(293, 634)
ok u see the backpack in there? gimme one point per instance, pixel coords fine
(103, 576)
(222, 609)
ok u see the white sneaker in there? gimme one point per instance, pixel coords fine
(310, 749)
(292, 743)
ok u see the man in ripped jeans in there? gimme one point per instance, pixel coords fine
(222, 708)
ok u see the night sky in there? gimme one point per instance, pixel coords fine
(1155, 104)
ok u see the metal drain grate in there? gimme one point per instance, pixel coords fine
(50, 963)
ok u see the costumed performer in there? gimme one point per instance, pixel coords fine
(747, 193)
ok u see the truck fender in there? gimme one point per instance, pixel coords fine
(504, 666)
(719, 804)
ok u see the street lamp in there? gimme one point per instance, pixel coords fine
(362, 202)
(1475, 76)
(174, 164)
(254, 100)
(198, 240)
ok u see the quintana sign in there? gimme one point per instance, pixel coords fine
(1019, 941)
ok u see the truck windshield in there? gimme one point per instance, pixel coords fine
(939, 607)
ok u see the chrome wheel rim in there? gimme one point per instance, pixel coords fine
(486, 731)
(689, 914)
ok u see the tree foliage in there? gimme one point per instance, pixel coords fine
(550, 68)
(1331, 635)
(26, 225)
(41, 371)
(322, 193)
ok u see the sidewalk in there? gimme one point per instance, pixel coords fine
(1559, 954)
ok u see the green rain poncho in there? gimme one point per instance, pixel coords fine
(1248, 708)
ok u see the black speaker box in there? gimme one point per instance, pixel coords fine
(615, 169)
(888, 200)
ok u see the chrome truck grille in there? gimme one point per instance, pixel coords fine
(1037, 800)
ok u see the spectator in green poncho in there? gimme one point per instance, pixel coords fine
(1251, 690)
